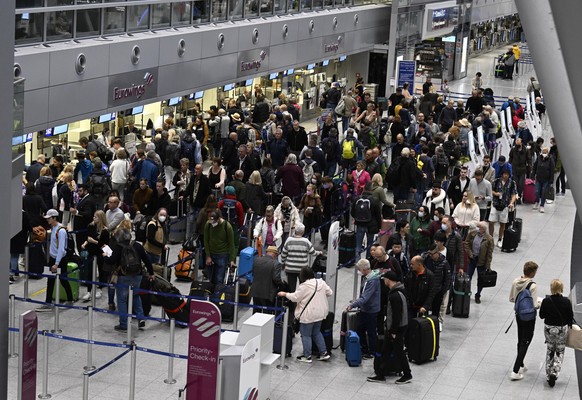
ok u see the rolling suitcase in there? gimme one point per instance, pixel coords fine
(159, 268)
(319, 264)
(245, 263)
(36, 261)
(203, 290)
(349, 323)
(529, 192)
(278, 332)
(347, 247)
(385, 361)
(177, 226)
(461, 296)
(183, 270)
(353, 350)
(516, 224)
(488, 278)
(510, 240)
(423, 339)
(74, 284)
(225, 292)
(246, 234)
(327, 333)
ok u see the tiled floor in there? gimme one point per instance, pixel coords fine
(475, 354)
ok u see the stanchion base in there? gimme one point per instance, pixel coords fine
(56, 331)
(88, 369)
(170, 381)
(15, 355)
(46, 396)
(282, 367)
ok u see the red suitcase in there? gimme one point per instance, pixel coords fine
(529, 192)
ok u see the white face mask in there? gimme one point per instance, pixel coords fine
(444, 227)
(436, 218)
(162, 218)
(420, 214)
(214, 224)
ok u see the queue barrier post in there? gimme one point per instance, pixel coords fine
(236, 295)
(94, 279)
(170, 379)
(282, 365)
(130, 312)
(89, 366)
(132, 372)
(45, 394)
(56, 328)
(85, 386)
(12, 335)
(355, 291)
(26, 269)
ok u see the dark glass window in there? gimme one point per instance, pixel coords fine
(29, 3)
(161, 15)
(59, 25)
(138, 18)
(88, 23)
(29, 28)
(114, 19)
(181, 13)
(219, 10)
(53, 3)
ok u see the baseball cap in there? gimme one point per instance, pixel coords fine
(52, 213)
(393, 276)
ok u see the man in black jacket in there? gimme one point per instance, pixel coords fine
(367, 212)
(520, 160)
(229, 151)
(160, 199)
(409, 176)
(396, 326)
(438, 264)
(261, 110)
(82, 214)
(197, 191)
(420, 286)
(266, 278)
(459, 185)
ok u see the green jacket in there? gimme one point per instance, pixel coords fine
(422, 240)
(219, 239)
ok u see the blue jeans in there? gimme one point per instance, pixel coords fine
(123, 297)
(191, 221)
(217, 270)
(331, 167)
(311, 332)
(154, 258)
(420, 192)
(472, 266)
(362, 231)
(540, 192)
(14, 263)
(367, 323)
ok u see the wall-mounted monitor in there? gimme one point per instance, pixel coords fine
(290, 71)
(199, 95)
(135, 110)
(174, 101)
(17, 140)
(59, 130)
(310, 66)
(325, 63)
(228, 87)
(48, 132)
(29, 137)
(274, 75)
(249, 82)
(342, 58)
(104, 118)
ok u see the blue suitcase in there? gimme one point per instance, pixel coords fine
(353, 350)
(245, 263)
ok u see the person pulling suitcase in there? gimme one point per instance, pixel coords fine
(396, 326)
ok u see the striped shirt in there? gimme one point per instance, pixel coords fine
(295, 254)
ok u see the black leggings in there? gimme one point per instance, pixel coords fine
(561, 180)
(64, 283)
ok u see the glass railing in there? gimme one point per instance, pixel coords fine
(42, 21)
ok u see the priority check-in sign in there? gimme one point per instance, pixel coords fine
(203, 350)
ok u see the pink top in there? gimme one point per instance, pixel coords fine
(360, 180)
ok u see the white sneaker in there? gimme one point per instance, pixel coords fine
(98, 294)
(542, 210)
(535, 206)
(500, 243)
(523, 370)
(516, 377)
(87, 296)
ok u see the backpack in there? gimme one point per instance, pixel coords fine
(393, 173)
(243, 136)
(441, 166)
(265, 132)
(130, 262)
(98, 185)
(340, 109)
(70, 246)
(524, 305)
(187, 150)
(348, 149)
(307, 170)
(266, 180)
(373, 139)
(229, 212)
(363, 210)
(102, 151)
(141, 228)
(172, 156)
(329, 148)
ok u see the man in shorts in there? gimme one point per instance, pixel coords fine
(504, 196)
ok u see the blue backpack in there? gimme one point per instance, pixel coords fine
(188, 150)
(524, 305)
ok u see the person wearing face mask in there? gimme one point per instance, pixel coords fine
(466, 211)
(269, 230)
(543, 173)
(288, 214)
(436, 224)
(220, 246)
(141, 197)
(369, 305)
(520, 159)
(156, 236)
(311, 207)
(500, 165)
(419, 228)
(479, 248)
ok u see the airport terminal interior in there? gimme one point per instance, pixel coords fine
(476, 354)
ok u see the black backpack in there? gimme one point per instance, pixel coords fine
(102, 151)
(243, 136)
(266, 180)
(130, 262)
(99, 185)
(141, 228)
(229, 212)
(393, 173)
(172, 155)
(363, 210)
(70, 247)
(329, 149)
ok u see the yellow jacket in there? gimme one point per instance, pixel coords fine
(516, 52)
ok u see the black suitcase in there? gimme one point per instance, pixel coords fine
(423, 339)
(385, 361)
(488, 278)
(516, 224)
(349, 323)
(278, 339)
(327, 332)
(201, 289)
(510, 240)
(319, 264)
(179, 309)
(224, 292)
(461, 296)
(37, 259)
(347, 247)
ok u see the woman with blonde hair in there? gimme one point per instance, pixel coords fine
(312, 208)
(556, 311)
(255, 195)
(378, 191)
(465, 212)
(65, 197)
(97, 237)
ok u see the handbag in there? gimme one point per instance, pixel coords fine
(488, 278)
(297, 321)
